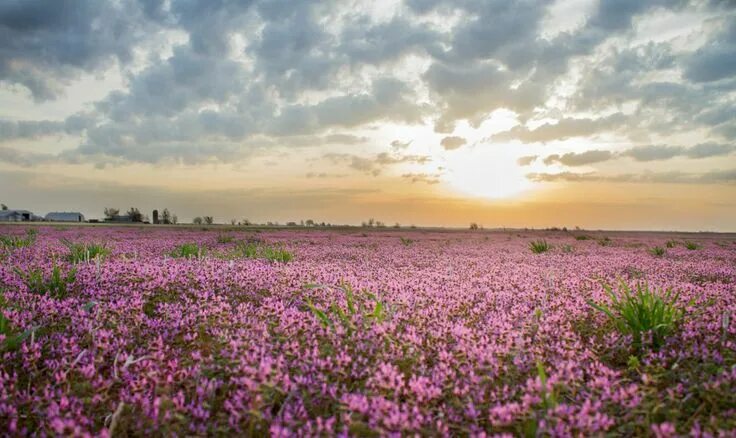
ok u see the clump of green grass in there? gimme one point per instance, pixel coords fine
(406, 241)
(260, 250)
(279, 255)
(85, 252)
(567, 249)
(248, 250)
(605, 241)
(13, 242)
(657, 251)
(539, 246)
(225, 238)
(367, 309)
(671, 243)
(692, 246)
(188, 251)
(58, 285)
(582, 237)
(643, 313)
(12, 340)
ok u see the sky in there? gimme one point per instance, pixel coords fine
(607, 114)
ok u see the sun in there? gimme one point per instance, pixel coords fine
(486, 172)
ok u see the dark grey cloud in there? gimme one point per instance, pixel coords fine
(374, 164)
(565, 128)
(32, 129)
(654, 152)
(427, 178)
(526, 160)
(453, 142)
(293, 72)
(399, 145)
(673, 177)
(581, 159)
(46, 43)
(24, 159)
(639, 153)
(716, 60)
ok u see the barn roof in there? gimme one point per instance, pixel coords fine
(65, 216)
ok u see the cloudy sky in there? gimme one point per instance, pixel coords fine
(602, 114)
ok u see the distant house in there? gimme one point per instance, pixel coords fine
(65, 217)
(17, 216)
(119, 219)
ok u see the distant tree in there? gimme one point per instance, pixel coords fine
(233, 221)
(197, 221)
(309, 223)
(473, 226)
(371, 222)
(4, 207)
(111, 212)
(246, 222)
(174, 219)
(165, 217)
(135, 215)
(397, 225)
(209, 220)
(380, 224)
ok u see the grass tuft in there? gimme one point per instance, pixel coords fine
(260, 250)
(657, 251)
(188, 251)
(539, 246)
(692, 246)
(85, 252)
(58, 285)
(13, 242)
(643, 313)
(224, 238)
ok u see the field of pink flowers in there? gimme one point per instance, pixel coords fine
(375, 332)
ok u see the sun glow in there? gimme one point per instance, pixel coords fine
(488, 172)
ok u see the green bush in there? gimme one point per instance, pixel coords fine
(539, 246)
(671, 243)
(582, 237)
(642, 312)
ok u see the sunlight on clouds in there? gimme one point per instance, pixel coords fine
(487, 171)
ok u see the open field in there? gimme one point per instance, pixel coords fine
(188, 330)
